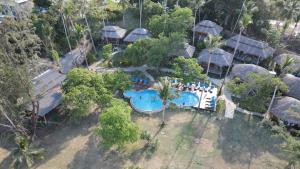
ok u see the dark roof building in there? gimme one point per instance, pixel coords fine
(206, 27)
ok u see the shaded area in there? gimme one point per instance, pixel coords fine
(242, 139)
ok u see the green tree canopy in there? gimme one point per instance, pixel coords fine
(255, 93)
(78, 101)
(178, 20)
(115, 125)
(117, 81)
(107, 51)
(187, 69)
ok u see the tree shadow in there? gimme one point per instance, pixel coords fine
(93, 156)
(241, 139)
(53, 138)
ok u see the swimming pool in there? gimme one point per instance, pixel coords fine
(148, 101)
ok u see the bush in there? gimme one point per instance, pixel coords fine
(106, 51)
(200, 45)
(91, 57)
(55, 57)
(145, 135)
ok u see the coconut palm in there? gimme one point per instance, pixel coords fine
(290, 10)
(165, 93)
(296, 20)
(197, 4)
(123, 4)
(211, 43)
(283, 70)
(25, 153)
(245, 20)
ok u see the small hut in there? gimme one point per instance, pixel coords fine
(287, 109)
(219, 60)
(242, 70)
(249, 50)
(293, 84)
(113, 34)
(280, 59)
(186, 51)
(137, 34)
(205, 27)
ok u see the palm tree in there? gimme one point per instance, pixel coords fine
(291, 9)
(297, 20)
(283, 70)
(211, 43)
(198, 4)
(25, 153)
(245, 20)
(165, 93)
(123, 4)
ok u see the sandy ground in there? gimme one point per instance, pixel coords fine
(189, 141)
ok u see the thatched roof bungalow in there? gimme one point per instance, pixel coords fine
(137, 34)
(219, 60)
(293, 84)
(113, 33)
(186, 51)
(242, 70)
(206, 27)
(280, 59)
(249, 50)
(287, 109)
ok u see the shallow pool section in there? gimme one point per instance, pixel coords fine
(148, 101)
(186, 99)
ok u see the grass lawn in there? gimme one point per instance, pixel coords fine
(190, 140)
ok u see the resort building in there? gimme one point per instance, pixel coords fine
(294, 67)
(187, 51)
(112, 34)
(205, 27)
(287, 110)
(219, 60)
(242, 70)
(293, 84)
(249, 50)
(137, 34)
(47, 91)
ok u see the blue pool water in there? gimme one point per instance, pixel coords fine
(149, 101)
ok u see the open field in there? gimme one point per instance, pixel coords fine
(190, 140)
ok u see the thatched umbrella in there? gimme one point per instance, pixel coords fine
(207, 27)
(250, 46)
(280, 59)
(113, 32)
(219, 57)
(137, 34)
(287, 109)
(293, 83)
(242, 70)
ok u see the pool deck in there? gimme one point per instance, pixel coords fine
(205, 97)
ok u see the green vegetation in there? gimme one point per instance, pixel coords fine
(115, 125)
(178, 20)
(255, 93)
(107, 51)
(25, 153)
(154, 52)
(211, 43)
(188, 69)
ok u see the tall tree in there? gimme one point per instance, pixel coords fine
(197, 5)
(244, 21)
(211, 43)
(165, 93)
(123, 4)
(115, 125)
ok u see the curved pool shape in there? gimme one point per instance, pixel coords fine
(148, 101)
